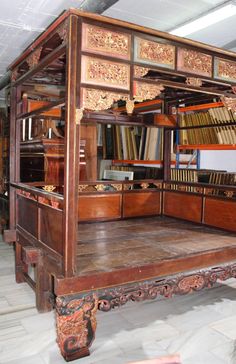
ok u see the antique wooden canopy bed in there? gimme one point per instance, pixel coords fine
(135, 239)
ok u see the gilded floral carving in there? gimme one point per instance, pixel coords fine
(129, 106)
(33, 58)
(229, 103)
(193, 81)
(49, 188)
(62, 31)
(156, 52)
(144, 185)
(229, 194)
(117, 187)
(146, 91)
(102, 40)
(226, 69)
(99, 99)
(140, 71)
(105, 73)
(194, 62)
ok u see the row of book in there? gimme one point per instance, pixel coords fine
(225, 134)
(204, 176)
(131, 142)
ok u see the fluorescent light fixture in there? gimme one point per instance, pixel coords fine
(205, 21)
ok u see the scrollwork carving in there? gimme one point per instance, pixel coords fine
(49, 188)
(140, 72)
(117, 187)
(166, 287)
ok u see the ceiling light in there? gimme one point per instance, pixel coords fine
(205, 21)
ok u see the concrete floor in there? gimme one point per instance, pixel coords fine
(200, 327)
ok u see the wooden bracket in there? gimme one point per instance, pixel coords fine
(30, 255)
(9, 236)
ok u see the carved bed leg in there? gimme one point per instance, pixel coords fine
(76, 325)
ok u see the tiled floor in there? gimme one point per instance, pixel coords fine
(201, 327)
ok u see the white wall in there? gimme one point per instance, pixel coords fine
(218, 159)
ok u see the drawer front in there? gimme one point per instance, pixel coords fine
(29, 175)
(32, 163)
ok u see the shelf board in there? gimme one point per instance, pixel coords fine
(144, 162)
(207, 147)
(200, 107)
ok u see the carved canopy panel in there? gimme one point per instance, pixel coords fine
(194, 62)
(146, 91)
(225, 70)
(105, 41)
(156, 53)
(106, 73)
(93, 99)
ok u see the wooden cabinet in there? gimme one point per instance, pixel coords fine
(42, 161)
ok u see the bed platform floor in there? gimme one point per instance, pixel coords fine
(109, 246)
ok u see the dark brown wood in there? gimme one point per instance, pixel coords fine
(122, 253)
(30, 255)
(183, 206)
(99, 207)
(220, 213)
(167, 154)
(71, 177)
(9, 236)
(141, 204)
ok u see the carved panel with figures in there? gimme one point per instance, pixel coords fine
(194, 62)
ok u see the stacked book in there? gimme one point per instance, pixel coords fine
(131, 142)
(225, 134)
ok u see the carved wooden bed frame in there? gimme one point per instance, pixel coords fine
(101, 61)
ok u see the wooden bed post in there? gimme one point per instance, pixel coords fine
(71, 168)
(76, 321)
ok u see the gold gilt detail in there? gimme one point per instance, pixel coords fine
(33, 58)
(117, 187)
(104, 40)
(229, 193)
(81, 188)
(144, 185)
(197, 62)
(227, 69)
(158, 185)
(146, 91)
(229, 103)
(78, 115)
(100, 188)
(110, 73)
(140, 71)
(101, 100)
(156, 52)
(129, 106)
(193, 81)
(49, 188)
